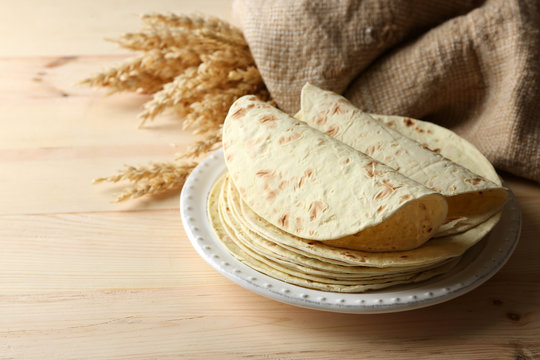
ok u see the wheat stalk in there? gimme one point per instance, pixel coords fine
(195, 66)
(155, 178)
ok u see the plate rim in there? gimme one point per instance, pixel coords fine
(193, 213)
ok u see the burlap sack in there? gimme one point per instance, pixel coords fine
(471, 66)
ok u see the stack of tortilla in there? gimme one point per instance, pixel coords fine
(340, 200)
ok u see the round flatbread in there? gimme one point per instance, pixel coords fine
(310, 185)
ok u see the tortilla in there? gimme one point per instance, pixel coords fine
(311, 263)
(310, 185)
(471, 198)
(302, 277)
(432, 252)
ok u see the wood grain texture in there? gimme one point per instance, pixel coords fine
(81, 278)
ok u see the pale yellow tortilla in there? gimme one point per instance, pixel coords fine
(432, 252)
(303, 278)
(308, 184)
(471, 198)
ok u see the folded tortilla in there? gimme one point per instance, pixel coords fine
(471, 198)
(308, 184)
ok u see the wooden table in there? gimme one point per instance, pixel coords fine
(82, 278)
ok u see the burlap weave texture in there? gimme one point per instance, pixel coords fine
(471, 66)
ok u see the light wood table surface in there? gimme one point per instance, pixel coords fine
(83, 278)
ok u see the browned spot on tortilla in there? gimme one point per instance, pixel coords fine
(320, 141)
(337, 109)
(425, 146)
(332, 131)
(285, 139)
(405, 198)
(428, 131)
(398, 152)
(388, 158)
(315, 209)
(311, 232)
(301, 182)
(253, 142)
(381, 208)
(321, 120)
(474, 181)
(283, 221)
(437, 189)
(239, 113)
(299, 225)
(371, 149)
(453, 188)
(282, 185)
(347, 160)
(308, 172)
(268, 120)
(420, 130)
(250, 106)
(228, 157)
(408, 122)
(270, 193)
(390, 124)
(371, 170)
(265, 173)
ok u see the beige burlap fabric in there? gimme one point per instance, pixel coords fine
(471, 66)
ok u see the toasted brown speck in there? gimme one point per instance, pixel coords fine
(283, 221)
(405, 198)
(315, 209)
(270, 193)
(332, 131)
(337, 109)
(388, 189)
(371, 170)
(370, 150)
(408, 122)
(239, 113)
(268, 120)
(265, 173)
(474, 181)
(286, 139)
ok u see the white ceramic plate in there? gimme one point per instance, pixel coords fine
(477, 266)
